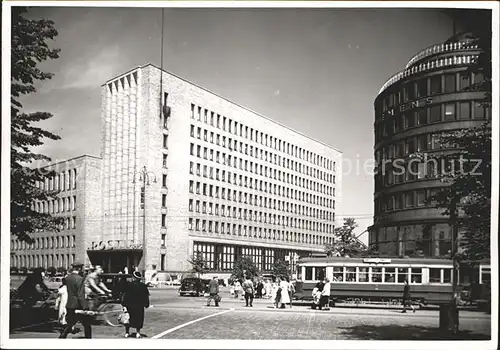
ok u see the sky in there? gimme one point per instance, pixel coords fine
(317, 71)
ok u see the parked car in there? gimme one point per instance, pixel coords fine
(193, 286)
(53, 282)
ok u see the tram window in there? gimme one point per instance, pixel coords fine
(338, 274)
(363, 274)
(320, 273)
(416, 275)
(376, 274)
(485, 275)
(309, 274)
(402, 274)
(434, 275)
(446, 275)
(390, 274)
(350, 274)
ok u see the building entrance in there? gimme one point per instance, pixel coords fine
(116, 260)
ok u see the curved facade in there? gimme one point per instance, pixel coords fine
(428, 97)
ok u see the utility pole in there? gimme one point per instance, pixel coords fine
(144, 178)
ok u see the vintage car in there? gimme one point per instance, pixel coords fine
(193, 286)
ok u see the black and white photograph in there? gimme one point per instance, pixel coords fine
(269, 174)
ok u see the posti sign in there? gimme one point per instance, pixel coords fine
(410, 105)
(114, 244)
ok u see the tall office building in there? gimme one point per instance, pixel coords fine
(229, 182)
(78, 186)
(413, 108)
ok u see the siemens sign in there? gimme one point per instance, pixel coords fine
(410, 105)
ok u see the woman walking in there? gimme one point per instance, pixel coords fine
(285, 294)
(135, 299)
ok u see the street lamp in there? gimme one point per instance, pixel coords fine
(144, 177)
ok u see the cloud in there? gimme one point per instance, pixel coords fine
(92, 72)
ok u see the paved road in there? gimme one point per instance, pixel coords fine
(188, 318)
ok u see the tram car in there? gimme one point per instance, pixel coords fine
(378, 280)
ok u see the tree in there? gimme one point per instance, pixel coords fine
(29, 47)
(243, 267)
(281, 268)
(199, 265)
(345, 242)
(465, 171)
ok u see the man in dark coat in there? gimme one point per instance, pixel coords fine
(407, 298)
(135, 299)
(76, 301)
(213, 290)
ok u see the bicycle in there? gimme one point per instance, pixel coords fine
(106, 306)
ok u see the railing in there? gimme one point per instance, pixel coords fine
(438, 63)
(440, 48)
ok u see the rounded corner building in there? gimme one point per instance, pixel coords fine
(430, 96)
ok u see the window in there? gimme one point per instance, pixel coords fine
(422, 87)
(435, 85)
(409, 199)
(421, 143)
(363, 274)
(421, 198)
(449, 111)
(402, 274)
(163, 220)
(164, 196)
(447, 275)
(478, 110)
(409, 120)
(319, 273)
(338, 274)
(376, 274)
(416, 275)
(435, 114)
(308, 274)
(434, 275)
(465, 110)
(163, 239)
(464, 80)
(350, 274)
(421, 115)
(450, 83)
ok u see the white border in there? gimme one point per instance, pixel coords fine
(229, 344)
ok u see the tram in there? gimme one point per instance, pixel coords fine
(380, 280)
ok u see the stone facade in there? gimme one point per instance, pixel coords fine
(132, 111)
(79, 182)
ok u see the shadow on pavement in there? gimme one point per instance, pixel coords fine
(393, 332)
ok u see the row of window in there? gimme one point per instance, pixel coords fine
(67, 241)
(63, 181)
(221, 257)
(262, 201)
(250, 215)
(432, 240)
(419, 170)
(69, 222)
(53, 206)
(263, 186)
(46, 261)
(444, 112)
(429, 86)
(238, 129)
(404, 200)
(364, 274)
(272, 158)
(202, 225)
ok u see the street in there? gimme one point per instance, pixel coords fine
(174, 317)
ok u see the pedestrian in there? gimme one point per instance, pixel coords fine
(249, 291)
(61, 302)
(237, 288)
(316, 294)
(285, 294)
(268, 289)
(325, 295)
(135, 300)
(291, 290)
(407, 298)
(76, 301)
(213, 290)
(125, 270)
(277, 293)
(259, 288)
